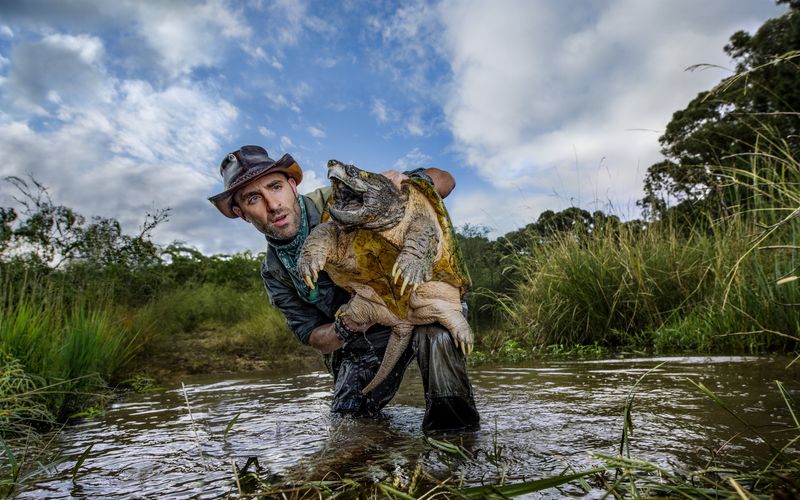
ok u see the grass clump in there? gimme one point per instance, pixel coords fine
(662, 288)
(63, 355)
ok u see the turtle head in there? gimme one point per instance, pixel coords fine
(364, 199)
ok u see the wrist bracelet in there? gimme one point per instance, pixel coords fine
(342, 332)
(419, 173)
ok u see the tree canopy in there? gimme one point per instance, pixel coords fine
(719, 129)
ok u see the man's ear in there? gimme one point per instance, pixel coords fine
(239, 213)
(293, 184)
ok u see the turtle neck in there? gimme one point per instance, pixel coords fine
(289, 252)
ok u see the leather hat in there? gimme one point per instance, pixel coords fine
(247, 164)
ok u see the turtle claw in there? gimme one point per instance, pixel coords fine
(316, 276)
(308, 281)
(395, 274)
(403, 287)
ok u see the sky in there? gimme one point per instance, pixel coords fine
(123, 107)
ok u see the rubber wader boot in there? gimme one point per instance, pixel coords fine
(449, 402)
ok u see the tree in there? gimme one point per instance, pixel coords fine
(56, 235)
(715, 133)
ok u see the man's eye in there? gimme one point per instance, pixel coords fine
(252, 199)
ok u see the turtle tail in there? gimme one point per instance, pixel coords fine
(398, 341)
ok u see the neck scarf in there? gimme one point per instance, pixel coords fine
(289, 252)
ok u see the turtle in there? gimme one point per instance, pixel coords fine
(396, 252)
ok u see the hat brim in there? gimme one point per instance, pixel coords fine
(286, 165)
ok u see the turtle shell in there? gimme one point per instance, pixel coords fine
(375, 256)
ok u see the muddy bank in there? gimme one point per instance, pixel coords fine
(207, 352)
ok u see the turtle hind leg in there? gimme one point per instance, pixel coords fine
(439, 302)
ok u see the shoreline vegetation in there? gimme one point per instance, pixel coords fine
(712, 268)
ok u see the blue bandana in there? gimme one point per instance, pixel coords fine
(288, 253)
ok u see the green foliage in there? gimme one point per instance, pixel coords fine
(92, 343)
(21, 400)
(72, 351)
(581, 290)
(575, 351)
(665, 287)
(484, 261)
(513, 352)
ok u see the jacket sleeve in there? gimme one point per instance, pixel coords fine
(301, 316)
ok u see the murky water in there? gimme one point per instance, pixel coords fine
(538, 420)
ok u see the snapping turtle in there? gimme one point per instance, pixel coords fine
(372, 236)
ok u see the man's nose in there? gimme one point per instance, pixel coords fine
(273, 204)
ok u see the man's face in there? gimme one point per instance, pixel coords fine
(270, 204)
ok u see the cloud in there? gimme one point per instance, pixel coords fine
(500, 211)
(57, 69)
(121, 152)
(382, 111)
(266, 132)
(326, 62)
(6, 32)
(178, 36)
(316, 132)
(311, 181)
(186, 35)
(558, 91)
(413, 159)
(286, 144)
(280, 101)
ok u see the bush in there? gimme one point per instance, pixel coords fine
(193, 306)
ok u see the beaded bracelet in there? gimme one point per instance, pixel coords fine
(342, 332)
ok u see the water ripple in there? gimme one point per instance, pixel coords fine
(538, 420)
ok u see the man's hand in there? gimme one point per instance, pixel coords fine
(395, 176)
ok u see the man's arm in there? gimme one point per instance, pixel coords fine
(442, 180)
(323, 338)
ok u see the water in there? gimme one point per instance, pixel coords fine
(538, 420)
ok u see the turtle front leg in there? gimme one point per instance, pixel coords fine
(319, 245)
(414, 265)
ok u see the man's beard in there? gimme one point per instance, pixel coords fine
(287, 232)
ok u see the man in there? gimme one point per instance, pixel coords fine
(264, 193)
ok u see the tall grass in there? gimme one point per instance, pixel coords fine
(724, 285)
(63, 352)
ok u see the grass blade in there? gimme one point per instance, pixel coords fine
(80, 461)
(511, 490)
(230, 425)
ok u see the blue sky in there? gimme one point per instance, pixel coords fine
(120, 107)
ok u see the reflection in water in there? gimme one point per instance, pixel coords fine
(538, 420)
